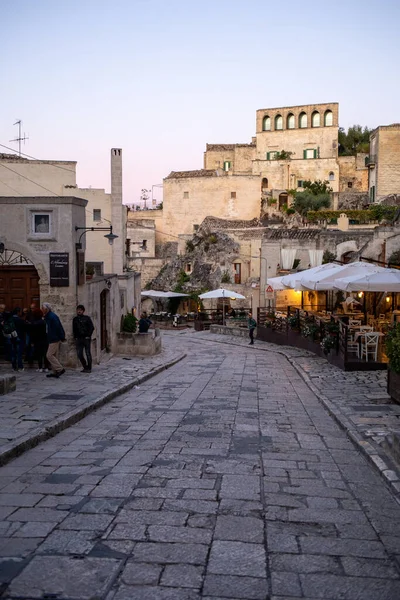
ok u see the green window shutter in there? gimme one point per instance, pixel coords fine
(268, 153)
(304, 153)
(315, 153)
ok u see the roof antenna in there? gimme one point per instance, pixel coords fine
(19, 139)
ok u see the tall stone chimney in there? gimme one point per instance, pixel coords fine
(118, 212)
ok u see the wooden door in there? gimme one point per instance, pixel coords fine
(238, 273)
(19, 286)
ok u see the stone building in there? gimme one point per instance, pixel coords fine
(57, 179)
(384, 162)
(291, 145)
(43, 232)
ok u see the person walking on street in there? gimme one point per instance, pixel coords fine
(38, 338)
(18, 341)
(83, 327)
(251, 324)
(55, 335)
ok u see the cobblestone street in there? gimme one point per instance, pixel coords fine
(224, 476)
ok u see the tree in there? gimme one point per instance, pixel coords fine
(355, 140)
(305, 201)
(317, 187)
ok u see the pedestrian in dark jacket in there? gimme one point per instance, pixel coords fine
(6, 338)
(144, 323)
(18, 341)
(55, 335)
(83, 328)
(251, 324)
(38, 338)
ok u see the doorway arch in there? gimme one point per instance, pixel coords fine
(19, 280)
(283, 199)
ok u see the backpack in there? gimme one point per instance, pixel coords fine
(9, 328)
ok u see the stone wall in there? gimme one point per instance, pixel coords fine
(139, 344)
(188, 201)
(388, 161)
(353, 174)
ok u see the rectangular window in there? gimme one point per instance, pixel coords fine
(195, 227)
(349, 184)
(227, 165)
(96, 214)
(272, 155)
(186, 194)
(95, 268)
(189, 268)
(144, 245)
(233, 194)
(310, 153)
(300, 183)
(372, 193)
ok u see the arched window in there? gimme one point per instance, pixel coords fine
(291, 121)
(278, 122)
(302, 120)
(264, 184)
(331, 176)
(315, 119)
(328, 118)
(266, 124)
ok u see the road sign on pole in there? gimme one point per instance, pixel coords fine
(269, 292)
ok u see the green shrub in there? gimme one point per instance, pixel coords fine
(290, 211)
(393, 348)
(394, 259)
(226, 277)
(129, 323)
(328, 257)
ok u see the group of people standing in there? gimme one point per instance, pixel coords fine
(36, 334)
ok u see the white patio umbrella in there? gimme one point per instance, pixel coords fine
(222, 293)
(160, 294)
(276, 283)
(295, 280)
(325, 280)
(383, 280)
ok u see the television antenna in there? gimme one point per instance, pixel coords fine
(19, 139)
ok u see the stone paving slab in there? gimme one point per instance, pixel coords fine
(221, 477)
(357, 400)
(42, 406)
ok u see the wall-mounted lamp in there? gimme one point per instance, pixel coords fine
(108, 283)
(360, 294)
(387, 298)
(109, 236)
(2, 248)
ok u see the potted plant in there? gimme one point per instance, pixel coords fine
(89, 271)
(393, 354)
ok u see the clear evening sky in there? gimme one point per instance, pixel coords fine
(161, 78)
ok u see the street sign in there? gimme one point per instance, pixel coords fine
(59, 269)
(269, 292)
